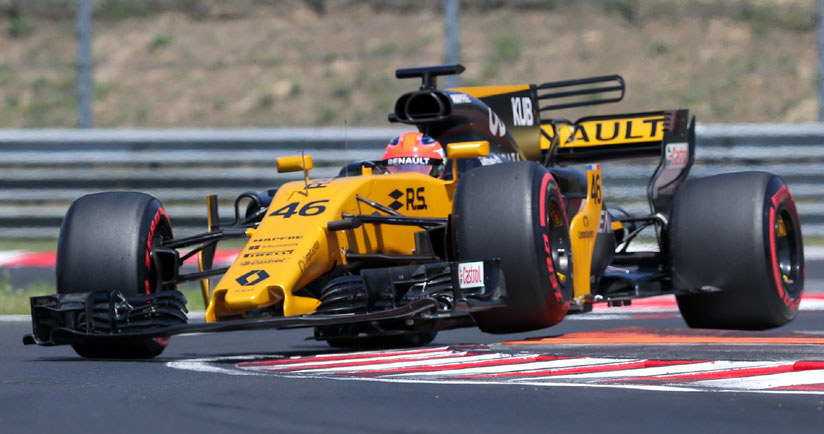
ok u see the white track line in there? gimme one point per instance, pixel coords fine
(659, 370)
(320, 365)
(401, 364)
(769, 381)
(521, 367)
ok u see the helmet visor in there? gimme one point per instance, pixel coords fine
(426, 169)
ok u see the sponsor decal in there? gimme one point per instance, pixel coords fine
(470, 274)
(415, 199)
(511, 156)
(610, 132)
(460, 98)
(490, 160)
(269, 253)
(264, 261)
(397, 161)
(285, 238)
(396, 194)
(496, 125)
(272, 246)
(522, 111)
(677, 155)
(305, 260)
(253, 277)
(604, 223)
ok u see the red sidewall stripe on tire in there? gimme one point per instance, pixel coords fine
(542, 203)
(550, 266)
(159, 214)
(782, 194)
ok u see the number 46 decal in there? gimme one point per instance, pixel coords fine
(307, 210)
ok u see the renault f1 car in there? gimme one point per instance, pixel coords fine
(510, 239)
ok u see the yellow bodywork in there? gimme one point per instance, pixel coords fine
(292, 247)
(484, 91)
(582, 232)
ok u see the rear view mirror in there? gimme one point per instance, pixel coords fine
(294, 164)
(462, 150)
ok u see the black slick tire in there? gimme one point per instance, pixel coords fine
(514, 211)
(105, 244)
(739, 233)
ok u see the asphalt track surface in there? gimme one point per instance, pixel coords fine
(635, 369)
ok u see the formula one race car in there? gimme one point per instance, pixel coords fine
(507, 238)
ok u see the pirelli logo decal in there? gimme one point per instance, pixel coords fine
(604, 132)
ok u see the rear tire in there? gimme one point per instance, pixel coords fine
(105, 244)
(514, 211)
(739, 232)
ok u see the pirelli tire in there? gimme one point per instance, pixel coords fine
(105, 243)
(738, 233)
(514, 211)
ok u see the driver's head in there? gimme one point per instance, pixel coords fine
(414, 152)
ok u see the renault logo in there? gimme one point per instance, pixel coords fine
(252, 277)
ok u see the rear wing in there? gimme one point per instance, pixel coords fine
(600, 138)
(668, 135)
(610, 88)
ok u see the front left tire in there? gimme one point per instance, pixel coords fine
(514, 211)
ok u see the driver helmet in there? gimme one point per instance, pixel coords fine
(414, 152)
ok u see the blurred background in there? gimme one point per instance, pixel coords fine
(265, 63)
(180, 98)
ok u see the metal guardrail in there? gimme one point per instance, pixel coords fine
(42, 171)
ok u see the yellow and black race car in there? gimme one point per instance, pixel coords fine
(506, 238)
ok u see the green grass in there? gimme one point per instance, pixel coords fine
(37, 245)
(15, 301)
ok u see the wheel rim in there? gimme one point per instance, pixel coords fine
(558, 242)
(162, 234)
(788, 256)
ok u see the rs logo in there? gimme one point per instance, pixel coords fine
(415, 198)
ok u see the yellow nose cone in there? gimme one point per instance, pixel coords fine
(250, 298)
